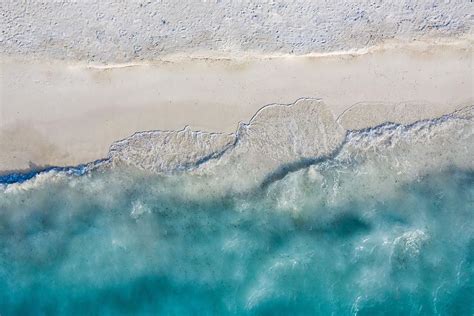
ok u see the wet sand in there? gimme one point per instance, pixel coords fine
(65, 113)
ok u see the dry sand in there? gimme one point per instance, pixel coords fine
(58, 113)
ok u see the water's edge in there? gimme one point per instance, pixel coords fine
(231, 141)
(219, 144)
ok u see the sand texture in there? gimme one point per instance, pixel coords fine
(108, 31)
(77, 76)
(61, 114)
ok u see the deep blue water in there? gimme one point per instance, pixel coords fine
(118, 242)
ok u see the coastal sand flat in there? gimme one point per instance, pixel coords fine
(58, 113)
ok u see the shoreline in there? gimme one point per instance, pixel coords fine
(399, 83)
(8, 177)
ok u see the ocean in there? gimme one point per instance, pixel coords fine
(380, 224)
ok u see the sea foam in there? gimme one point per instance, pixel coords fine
(292, 214)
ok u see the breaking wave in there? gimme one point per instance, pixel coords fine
(292, 214)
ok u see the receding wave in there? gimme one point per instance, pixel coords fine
(292, 214)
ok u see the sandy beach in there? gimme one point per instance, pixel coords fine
(56, 113)
(69, 90)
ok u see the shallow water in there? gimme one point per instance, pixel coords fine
(119, 242)
(382, 225)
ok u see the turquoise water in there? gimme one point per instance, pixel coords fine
(118, 242)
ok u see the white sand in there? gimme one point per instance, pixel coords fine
(110, 31)
(58, 113)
